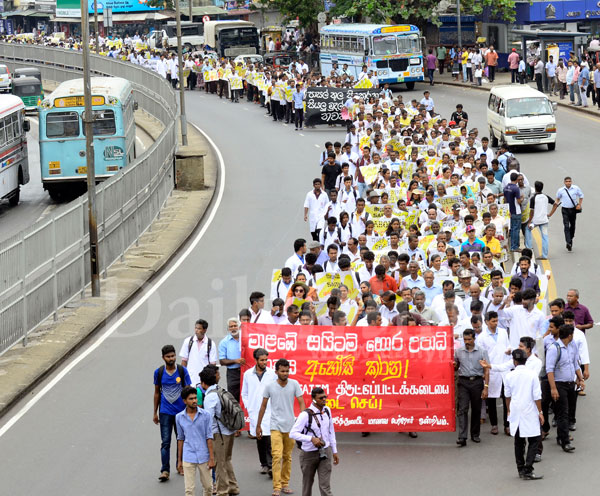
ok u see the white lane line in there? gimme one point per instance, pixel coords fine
(300, 134)
(46, 389)
(318, 146)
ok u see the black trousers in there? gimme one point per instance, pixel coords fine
(492, 72)
(249, 92)
(441, 65)
(591, 91)
(569, 216)
(525, 463)
(299, 118)
(538, 81)
(275, 109)
(546, 402)
(572, 405)
(233, 382)
(263, 445)
(469, 394)
(470, 74)
(598, 97)
(289, 113)
(561, 410)
(492, 412)
(514, 75)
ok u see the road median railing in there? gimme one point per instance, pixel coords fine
(46, 265)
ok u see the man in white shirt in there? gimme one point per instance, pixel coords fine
(198, 351)
(523, 320)
(280, 288)
(297, 259)
(255, 380)
(257, 312)
(388, 306)
(314, 208)
(524, 403)
(538, 215)
(427, 101)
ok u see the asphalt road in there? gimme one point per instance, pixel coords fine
(35, 201)
(92, 434)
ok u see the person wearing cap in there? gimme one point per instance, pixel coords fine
(314, 247)
(472, 243)
(513, 65)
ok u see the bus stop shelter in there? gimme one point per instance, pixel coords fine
(549, 38)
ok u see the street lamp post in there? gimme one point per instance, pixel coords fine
(96, 25)
(184, 139)
(458, 24)
(88, 121)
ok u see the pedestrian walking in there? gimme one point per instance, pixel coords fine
(491, 61)
(441, 52)
(298, 101)
(255, 380)
(539, 217)
(562, 366)
(281, 393)
(431, 62)
(230, 355)
(512, 196)
(570, 198)
(169, 381)
(315, 434)
(198, 351)
(194, 444)
(538, 70)
(513, 65)
(524, 403)
(551, 80)
(222, 435)
(473, 383)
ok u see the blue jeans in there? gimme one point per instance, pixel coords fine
(544, 232)
(464, 71)
(167, 426)
(571, 93)
(362, 188)
(515, 227)
(527, 235)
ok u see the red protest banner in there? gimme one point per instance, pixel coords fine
(376, 378)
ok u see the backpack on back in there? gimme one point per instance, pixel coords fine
(180, 371)
(232, 415)
(311, 414)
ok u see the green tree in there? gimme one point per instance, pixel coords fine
(418, 12)
(166, 4)
(305, 11)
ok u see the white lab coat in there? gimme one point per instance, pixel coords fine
(497, 353)
(252, 396)
(522, 386)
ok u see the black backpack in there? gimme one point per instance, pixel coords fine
(180, 371)
(232, 414)
(311, 414)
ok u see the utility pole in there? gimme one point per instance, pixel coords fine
(96, 25)
(191, 15)
(458, 24)
(184, 139)
(88, 121)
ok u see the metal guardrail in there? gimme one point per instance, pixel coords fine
(46, 265)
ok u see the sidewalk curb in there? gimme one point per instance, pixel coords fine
(482, 88)
(149, 275)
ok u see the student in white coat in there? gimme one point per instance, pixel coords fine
(255, 380)
(524, 401)
(494, 340)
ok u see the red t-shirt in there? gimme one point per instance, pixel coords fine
(378, 286)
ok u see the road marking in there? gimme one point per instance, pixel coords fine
(318, 146)
(300, 134)
(552, 292)
(138, 140)
(246, 108)
(48, 387)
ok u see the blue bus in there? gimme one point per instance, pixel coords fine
(62, 136)
(393, 53)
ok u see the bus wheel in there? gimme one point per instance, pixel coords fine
(410, 86)
(14, 199)
(55, 193)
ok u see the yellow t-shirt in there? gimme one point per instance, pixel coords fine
(493, 244)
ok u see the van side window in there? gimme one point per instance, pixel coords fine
(491, 102)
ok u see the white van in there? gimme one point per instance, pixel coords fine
(517, 114)
(192, 37)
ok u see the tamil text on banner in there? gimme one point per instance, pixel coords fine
(376, 378)
(324, 105)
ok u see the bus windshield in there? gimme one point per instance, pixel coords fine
(524, 107)
(62, 125)
(409, 44)
(384, 45)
